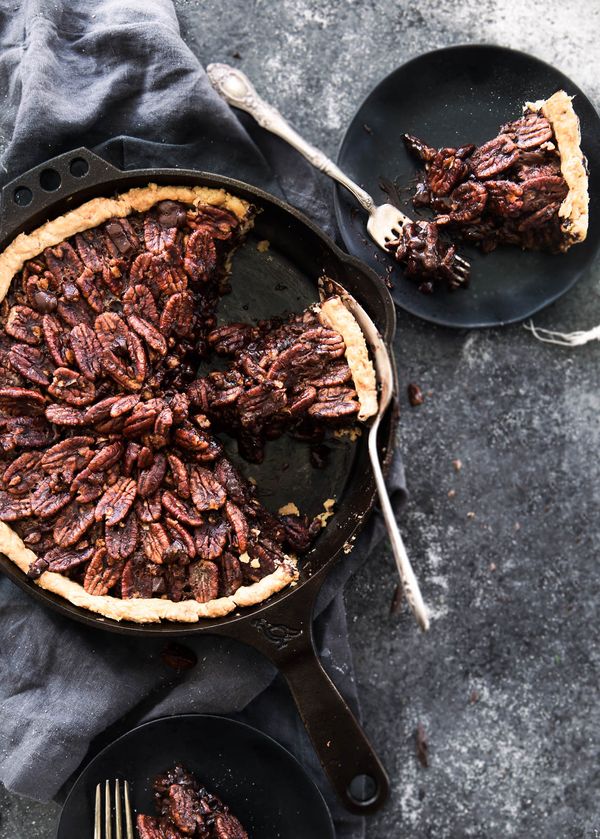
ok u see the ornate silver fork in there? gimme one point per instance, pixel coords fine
(385, 380)
(385, 221)
(122, 812)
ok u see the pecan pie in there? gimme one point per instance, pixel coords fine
(118, 492)
(527, 187)
(186, 810)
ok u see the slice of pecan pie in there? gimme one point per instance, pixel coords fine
(527, 187)
(115, 492)
(187, 809)
(303, 373)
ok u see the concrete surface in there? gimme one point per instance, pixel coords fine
(505, 684)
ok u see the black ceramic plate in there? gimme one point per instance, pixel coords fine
(451, 97)
(263, 784)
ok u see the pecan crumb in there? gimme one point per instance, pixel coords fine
(422, 746)
(415, 395)
(178, 656)
(397, 599)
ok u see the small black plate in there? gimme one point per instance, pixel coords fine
(451, 97)
(262, 783)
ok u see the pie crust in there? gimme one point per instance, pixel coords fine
(559, 112)
(145, 610)
(334, 314)
(92, 213)
(27, 246)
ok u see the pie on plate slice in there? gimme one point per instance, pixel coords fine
(115, 492)
(528, 186)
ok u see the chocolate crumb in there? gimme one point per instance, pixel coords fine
(236, 54)
(474, 697)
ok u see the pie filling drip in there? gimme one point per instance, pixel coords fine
(186, 809)
(110, 470)
(524, 187)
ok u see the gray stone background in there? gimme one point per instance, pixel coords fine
(505, 684)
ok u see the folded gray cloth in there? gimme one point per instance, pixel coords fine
(115, 75)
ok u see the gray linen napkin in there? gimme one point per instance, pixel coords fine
(115, 75)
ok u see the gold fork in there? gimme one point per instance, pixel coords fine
(122, 808)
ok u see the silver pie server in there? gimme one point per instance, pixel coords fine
(385, 380)
(385, 221)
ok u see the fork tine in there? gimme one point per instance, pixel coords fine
(118, 815)
(98, 813)
(107, 814)
(128, 817)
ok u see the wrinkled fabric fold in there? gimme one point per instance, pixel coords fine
(117, 77)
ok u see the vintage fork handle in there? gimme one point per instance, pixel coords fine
(236, 88)
(409, 581)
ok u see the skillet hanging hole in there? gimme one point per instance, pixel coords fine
(50, 180)
(79, 167)
(22, 196)
(363, 790)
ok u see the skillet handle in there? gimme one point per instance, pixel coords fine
(284, 634)
(25, 198)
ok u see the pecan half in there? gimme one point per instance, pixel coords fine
(122, 539)
(207, 492)
(150, 479)
(204, 580)
(74, 522)
(71, 387)
(494, 157)
(116, 502)
(200, 256)
(30, 363)
(181, 510)
(529, 132)
(445, 171)
(103, 573)
(87, 351)
(210, 539)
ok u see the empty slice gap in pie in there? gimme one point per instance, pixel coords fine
(115, 490)
(528, 186)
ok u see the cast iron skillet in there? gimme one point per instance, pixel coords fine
(454, 96)
(263, 784)
(264, 283)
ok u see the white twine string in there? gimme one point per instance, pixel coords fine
(564, 339)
